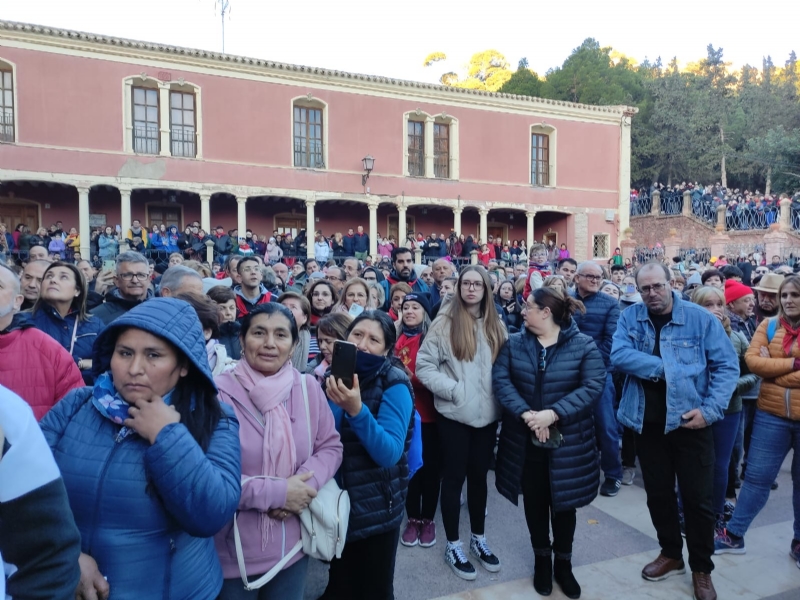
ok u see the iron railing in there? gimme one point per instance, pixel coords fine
(742, 217)
(671, 202)
(641, 204)
(146, 140)
(7, 126)
(695, 254)
(183, 142)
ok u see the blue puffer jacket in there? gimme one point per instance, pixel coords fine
(599, 322)
(61, 329)
(572, 381)
(147, 513)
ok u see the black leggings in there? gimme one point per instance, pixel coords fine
(423, 489)
(539, 512)
(366, 569)
(466, 454)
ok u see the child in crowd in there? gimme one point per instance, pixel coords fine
(538, 269)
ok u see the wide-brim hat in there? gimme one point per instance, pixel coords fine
(769, 283)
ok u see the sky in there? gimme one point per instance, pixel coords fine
(392, 37)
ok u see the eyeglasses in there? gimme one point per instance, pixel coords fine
(542, 359)
(131, 276)
(594, 278)
(656, 287)
(332, 278)
(472, 285)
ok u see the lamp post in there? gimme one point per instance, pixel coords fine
(369, 164)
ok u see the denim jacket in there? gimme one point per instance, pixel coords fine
(697, 361)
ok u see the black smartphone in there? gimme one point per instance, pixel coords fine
(343, 363)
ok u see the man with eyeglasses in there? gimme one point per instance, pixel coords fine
(132, 281)
(681, 371)
(252, 292)
(335, 276)
(600, 322)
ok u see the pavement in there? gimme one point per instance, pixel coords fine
(613, 541)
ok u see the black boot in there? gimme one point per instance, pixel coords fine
(562, 572)
(543, 572)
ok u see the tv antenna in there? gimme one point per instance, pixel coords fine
(224, 9)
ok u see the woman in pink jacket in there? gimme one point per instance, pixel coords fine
(266, 393)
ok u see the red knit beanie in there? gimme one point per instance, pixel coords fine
(735, 290)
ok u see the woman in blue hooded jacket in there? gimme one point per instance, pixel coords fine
(150, 459)
(171, 240)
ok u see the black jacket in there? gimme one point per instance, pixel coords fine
(116, 306)
(229, 337)
(573, 380)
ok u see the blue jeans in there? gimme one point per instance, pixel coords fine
(606, 430)
(725, 432)
(771, 441)
(289, 584)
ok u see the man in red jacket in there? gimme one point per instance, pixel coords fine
(32, 364)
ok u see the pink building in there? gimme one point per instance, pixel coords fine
(99, 131)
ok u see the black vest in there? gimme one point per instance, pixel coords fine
(377, 495)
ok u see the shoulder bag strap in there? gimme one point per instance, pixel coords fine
(264, 579)
(74, 335)
(308, 413)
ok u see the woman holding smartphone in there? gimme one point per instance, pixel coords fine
(454, 363)
(546, 378)
(375, 421)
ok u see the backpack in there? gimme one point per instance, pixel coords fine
(772, 326)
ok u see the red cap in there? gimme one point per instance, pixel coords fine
(735, 290)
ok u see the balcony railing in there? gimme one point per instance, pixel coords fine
(183, 142)
(641, 204)
(7, 127)
(146, 140)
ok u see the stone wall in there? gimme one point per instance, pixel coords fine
(649, 231)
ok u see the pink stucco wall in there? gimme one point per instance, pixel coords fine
(70, 121)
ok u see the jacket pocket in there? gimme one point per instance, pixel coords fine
(687, 351)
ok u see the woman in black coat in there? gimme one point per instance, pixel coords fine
(546, 379)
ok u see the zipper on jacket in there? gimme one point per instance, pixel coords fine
(168, 577)
(787, 398)
(101, 480)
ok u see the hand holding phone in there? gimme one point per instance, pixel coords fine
(343, 361)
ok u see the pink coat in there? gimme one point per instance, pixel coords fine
(262, 495)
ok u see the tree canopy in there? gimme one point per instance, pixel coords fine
(704, 122)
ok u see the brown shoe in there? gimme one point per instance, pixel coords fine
(663, 567)
(703, 588)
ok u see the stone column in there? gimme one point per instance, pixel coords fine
(310, 229)
(655, 209)
(429, 147)
(786, 215)
(582, 239)
(628, 245)
(473, 257)
(373, 229)
(84, 229)
(672, 244)
(775, 241)
(529, 232)
(417, 256)
(625, 171)
(482, 233)
(205, 211)
(687, 204)
(163, 109)
(241, 216)
(210, 251)
(401, 225)
(457, 220)
(125, 209)
(721, 218)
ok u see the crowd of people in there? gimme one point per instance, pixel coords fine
(743, 209)
(187, 418)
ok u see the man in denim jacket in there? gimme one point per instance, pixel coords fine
(681, 371)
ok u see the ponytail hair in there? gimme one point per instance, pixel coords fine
(562, 306)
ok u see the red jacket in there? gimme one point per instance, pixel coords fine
(35, 366)
(544, 270)
(406, 350)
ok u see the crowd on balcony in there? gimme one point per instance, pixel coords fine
(744, 210)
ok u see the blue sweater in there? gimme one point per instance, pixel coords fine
(384, 438)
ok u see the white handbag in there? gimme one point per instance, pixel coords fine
(323, 525)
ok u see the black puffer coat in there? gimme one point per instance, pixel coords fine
(573, 380)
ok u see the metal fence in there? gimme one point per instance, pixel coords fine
(671, 203)
(743, 217)
(644, 254)
(695, 254)
(7, 126)
(641, 204)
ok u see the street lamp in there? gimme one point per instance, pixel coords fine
(369, 164)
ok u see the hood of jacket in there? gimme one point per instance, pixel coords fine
(395, 278)
(20, 320)
(168, 318)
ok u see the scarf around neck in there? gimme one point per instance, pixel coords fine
(789, 337)
(114, 407)
(269, 394)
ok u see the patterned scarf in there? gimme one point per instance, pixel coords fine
(112, 406)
